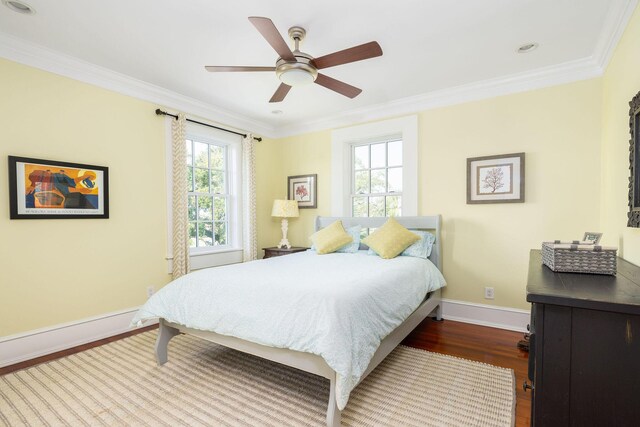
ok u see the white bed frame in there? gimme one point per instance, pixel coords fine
(310, 362)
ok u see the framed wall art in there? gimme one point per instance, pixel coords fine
(303, 188)
(495, 179)
(633, 216)
(47, 189)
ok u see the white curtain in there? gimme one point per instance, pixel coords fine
(179, 200)
(249, 236)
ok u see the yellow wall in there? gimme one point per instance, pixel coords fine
(621, 84)
(484, 245)
(278, 159)
(575, 137)
(55, 271)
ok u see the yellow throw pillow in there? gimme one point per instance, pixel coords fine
(391, 239)
(330, 238)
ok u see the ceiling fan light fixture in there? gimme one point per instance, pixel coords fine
(296, 73)
(295, 77)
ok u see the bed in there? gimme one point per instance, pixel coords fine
(338, 322)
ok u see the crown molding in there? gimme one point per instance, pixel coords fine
(567, 72)
(33, 55)
(582, 69)
(37, 56)
(614, 25)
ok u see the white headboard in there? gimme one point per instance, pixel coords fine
(429, 223)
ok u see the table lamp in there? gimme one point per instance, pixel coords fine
(284, 209)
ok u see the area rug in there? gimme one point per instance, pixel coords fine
(204, 384)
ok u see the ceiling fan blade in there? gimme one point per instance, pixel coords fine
(337, 86)
(214, 68)
(281, 92)
(273, 37)
(353, 54)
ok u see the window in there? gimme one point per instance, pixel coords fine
(214, 197)
(208, 195)
(374, 169)
(376, 179)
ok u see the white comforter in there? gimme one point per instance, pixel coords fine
(338, 306)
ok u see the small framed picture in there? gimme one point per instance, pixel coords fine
(495, 179)
(592, 237)
(303, 188)
(48, 189)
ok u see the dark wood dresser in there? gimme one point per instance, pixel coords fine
(584, 359)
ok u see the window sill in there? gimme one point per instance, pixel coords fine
(210, 258)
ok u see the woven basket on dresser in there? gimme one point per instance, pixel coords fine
(571, 258)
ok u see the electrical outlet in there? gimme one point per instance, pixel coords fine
(488, 293)
(150, 291)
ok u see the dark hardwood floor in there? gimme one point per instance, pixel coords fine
(489, 345)
(480, 343)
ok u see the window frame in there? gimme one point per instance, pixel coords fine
(370, 169)
(343, 140)
(226, 193)
(211, 256)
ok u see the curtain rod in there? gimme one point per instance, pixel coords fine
(244, 135)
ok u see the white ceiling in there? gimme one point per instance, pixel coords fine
(429, 45)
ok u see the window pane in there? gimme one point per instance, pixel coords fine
(361, 157)
(219, 209)
(395, 179)
(205, 208)
(192, 234)
(205, 234)
(395, 153)
(201, 155)
(189, 179)
(217, 182)
(360, 206)
(394, 206)
(221, 233)
(376, 206)
(361, 182)
(192, 208)
(202, 180)
(378, 155)
(189, 152)
(217, 157)
(378, 181)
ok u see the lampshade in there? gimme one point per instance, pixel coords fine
(285, 208)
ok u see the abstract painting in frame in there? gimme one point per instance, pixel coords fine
(303, 188)
(495, 179)
(47, 189)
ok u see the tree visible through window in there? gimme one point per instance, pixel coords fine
(377, 179)
(207, 194)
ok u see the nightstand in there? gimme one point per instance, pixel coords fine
(271, 252)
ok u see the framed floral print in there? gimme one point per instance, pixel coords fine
(303, 189)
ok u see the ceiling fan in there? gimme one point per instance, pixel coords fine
(298, 68)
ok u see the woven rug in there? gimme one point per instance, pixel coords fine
(204, 384)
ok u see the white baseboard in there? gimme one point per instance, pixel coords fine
(29, 345)
(512, 319)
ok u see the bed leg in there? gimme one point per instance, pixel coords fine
(439, 312)
(333, 413)
(165, 333)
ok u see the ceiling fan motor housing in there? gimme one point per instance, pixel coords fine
(296, 73)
